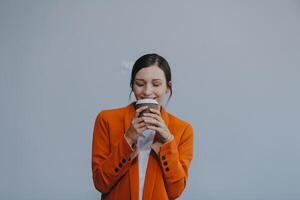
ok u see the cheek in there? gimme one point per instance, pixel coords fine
(160, 91)
(137, 90)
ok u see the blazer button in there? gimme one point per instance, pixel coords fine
(167, 169)
(120, 165)
(165, 163)
(116, 170)
(124, 160)
(163, 157)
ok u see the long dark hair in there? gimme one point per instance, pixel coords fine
(148, 60)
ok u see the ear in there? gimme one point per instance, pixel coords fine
(169, 86)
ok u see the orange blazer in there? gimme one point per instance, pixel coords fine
(115, 174)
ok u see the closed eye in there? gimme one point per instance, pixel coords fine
(139, 84)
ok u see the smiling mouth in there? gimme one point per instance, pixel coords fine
(149, 98)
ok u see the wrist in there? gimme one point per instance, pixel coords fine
(168, 138)
(130, 140)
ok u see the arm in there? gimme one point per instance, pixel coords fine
(175, 160)
(109, 163)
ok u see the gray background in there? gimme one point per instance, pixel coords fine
(235, 74)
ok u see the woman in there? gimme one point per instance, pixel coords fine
(118, 163)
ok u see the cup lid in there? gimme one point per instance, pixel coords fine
(141, 101)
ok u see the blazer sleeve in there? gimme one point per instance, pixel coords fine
(175, 160)
(109, 162)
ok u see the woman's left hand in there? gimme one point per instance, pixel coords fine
(154, 122)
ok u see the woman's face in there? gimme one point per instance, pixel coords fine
(150, 82)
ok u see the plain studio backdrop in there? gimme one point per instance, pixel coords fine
(236, 79)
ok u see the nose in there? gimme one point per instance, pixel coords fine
(148, 90)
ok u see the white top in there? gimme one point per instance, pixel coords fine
(144, 146)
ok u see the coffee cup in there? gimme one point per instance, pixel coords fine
(151, 103)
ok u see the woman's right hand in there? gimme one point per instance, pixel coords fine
(137, 127)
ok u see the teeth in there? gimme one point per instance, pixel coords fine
(148, 98)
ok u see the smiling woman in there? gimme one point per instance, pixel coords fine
(142, 155)
(151, 78)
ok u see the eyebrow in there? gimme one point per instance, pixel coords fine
(156, 79)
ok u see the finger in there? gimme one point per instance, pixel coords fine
(141, 130)
(136, 121)
(155, 116)
(141, 125)
(139, 110)
(155, 128)
(155, 111)
(152, 121)
(139, 120)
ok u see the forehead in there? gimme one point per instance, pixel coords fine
(149, 73)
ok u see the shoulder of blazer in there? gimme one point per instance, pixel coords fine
(176, 122)
(176, 119)
(114, 114)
